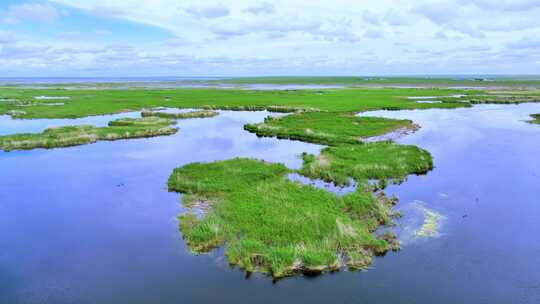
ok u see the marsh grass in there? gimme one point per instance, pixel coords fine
(186, 115)
(326, 127)
(85, 102)
(272, 225)
(515, 98)
(364, 162)
(124, 128)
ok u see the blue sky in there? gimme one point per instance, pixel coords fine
(280, 37)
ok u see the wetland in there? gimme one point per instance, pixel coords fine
(111, 214)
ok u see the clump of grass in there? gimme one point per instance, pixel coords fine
(50, 138)
(145, 122)
(16, 113)
(536, 119)
(514, 98)
(186, 115)
(272, 225)
(326, 127)
(79, 135)
(362, 162)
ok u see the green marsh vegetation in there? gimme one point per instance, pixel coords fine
(536, 118)
(184, 115)
(82, 103)
(326, 127)
(276, 226)
(124, 128)
(363, 162)
(272, 225)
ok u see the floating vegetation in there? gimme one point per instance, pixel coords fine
(79, 135)
(536, 119)
(432, 222)
(184, 115)
(272, 225)
(326, 127)
(420, 223)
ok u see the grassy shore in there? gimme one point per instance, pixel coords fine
(79, 135)
(326, 127)
(272, 225)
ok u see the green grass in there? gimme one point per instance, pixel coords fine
(363, 162)
(185, 115)
(272, 225)
(79, 135)
(98, 102)
(326, 127)
(536, 119)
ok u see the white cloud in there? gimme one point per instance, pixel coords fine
(288, 36)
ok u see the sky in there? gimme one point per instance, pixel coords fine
(137, 38)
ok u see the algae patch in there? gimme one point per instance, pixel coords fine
(432, 224)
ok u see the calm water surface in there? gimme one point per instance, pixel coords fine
(95, 224)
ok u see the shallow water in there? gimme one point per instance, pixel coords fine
(95, 224)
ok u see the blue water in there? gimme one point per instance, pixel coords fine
(95, 223)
